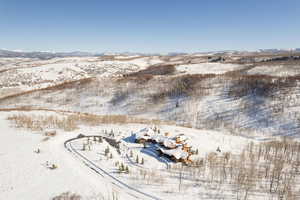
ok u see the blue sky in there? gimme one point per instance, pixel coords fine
(149, 25)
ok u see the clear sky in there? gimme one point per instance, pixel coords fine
(149, 25)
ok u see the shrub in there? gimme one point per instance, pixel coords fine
(67, 196)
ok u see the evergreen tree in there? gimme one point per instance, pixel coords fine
(121, 168)
(106, 151)
(137, 159)
(131, 153)
(142, 162)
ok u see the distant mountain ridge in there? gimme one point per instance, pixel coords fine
(279, 50)
(49, 55)
(44, 55)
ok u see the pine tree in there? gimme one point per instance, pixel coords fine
(142, 162)
(137, 159)
(196, 152)
(110, 156)
(131, 154)
(121, 168)
(127, 170)
(106, 151)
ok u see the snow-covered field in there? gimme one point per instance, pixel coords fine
(277, 70)
(207, 68)
(25, 175)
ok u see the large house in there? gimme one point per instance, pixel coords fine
(176, 148)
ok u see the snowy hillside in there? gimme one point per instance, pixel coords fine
(207, 68)
(30, 168)
(238, 112)
(20, 74)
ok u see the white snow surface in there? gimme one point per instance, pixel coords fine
(276, 70)
(207, 68)
(23, 173)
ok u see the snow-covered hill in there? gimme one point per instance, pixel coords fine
(225, 100)
(25, 173)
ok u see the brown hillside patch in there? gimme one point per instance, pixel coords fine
(260, 85)
(41, 122)
(182, 85)
(140, 79)
(155, 70)
(71, 120)
(61, 86)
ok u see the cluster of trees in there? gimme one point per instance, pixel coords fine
(137, 159)
(270, 169)
(122, 168)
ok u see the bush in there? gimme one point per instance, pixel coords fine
(67, 196)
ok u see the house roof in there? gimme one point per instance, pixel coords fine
(158, 138)
(145, 133)
(169, 143)
(181, 137)
(148, 133)
(177, 153)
